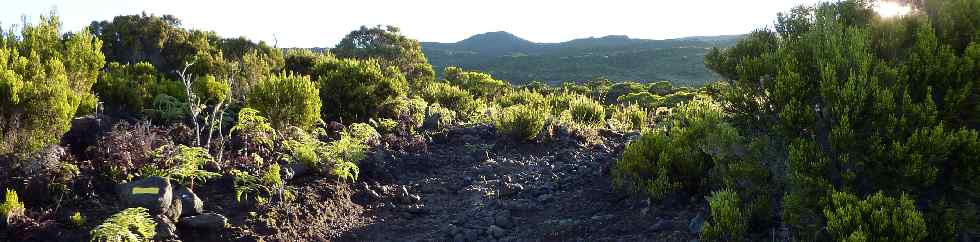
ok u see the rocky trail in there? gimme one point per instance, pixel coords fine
(472, 185)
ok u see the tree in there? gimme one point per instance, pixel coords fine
(391, 48)
(44, 76)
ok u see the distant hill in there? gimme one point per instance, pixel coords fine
(616, 57)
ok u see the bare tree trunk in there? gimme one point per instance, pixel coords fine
(192, 102)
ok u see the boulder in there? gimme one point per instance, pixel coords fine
(191, 204)
(166, 230)
(152, 193)
(503, 219)
(496, 232)
(696, 223)
(210, 221)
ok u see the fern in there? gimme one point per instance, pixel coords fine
(11, 204)
(130, 225)
(189, 163)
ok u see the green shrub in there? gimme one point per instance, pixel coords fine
(630, 117)
(210, 90)
(76, 220)
(644, 99)
(130, 89)
(356, 90)
(559, 102)
(253, 127)
(449, 96)
(44, 77)
(623, 88)
(11, 206)
(521, 122)
(728, 221)
(260, 189)
(167, 109)
(287, 100)
(385, 125)
(678, 157)
(438, 117)
(185, 164)
(478, 83)
(877, 218)
(587, 111)
(524, 97)
(130, 225)
(660, 88)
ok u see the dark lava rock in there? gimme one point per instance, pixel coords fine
(152, 193)
(166, 230)
(191, 203)
(212, 221)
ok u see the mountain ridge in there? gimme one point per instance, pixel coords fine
(616, 57)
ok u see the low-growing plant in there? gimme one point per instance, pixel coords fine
(130, 225)
(586, 111)
(630, 117)
(11, 206)
(644, 99)
(728, 221)
(438, 117)
(526, 98)
(287, 100)
(877, 218)
(77, 220)
(182, 163)
(260, 189)
(521, 122)
(449, 96)
(385, 125)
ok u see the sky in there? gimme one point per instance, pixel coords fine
(323, 23)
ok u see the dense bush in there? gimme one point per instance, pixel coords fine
(522, 122)
(478, 83)
(878, 218)
(644, 99)
(587, 111)
(129, 90)
(621, 89)
(526, 98)
(449, 96)
(678, 157)
(210, 90)
(288, 100)
(629, 117)
(130, 225)
(391, 49)
(728, 221)
(44, 77)
(660, 88)
(355, 90)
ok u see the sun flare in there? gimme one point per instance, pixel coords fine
(888, 9)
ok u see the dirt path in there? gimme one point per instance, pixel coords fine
(474, 186)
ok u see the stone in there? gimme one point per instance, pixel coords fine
(696, 223)
(543, 198)
(152, 193)
(210, 221)
(496, 232)
(504, 219)
(191, 204)
(471, 235)
(510, 189)
(166, 230)
(661, 225)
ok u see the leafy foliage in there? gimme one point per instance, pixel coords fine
(877, 217)
(449, 96)
(181, 163)
(390, 48)
(629, 117)
(478, 83)
(129, 225)
(728, 221)
(522, 122)
(11, 206)
(367, 81)
(44, 77)
(288, 100)
(587, 111)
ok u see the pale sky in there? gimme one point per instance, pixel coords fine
(323, 23)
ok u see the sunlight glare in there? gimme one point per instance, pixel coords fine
(888, 9)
